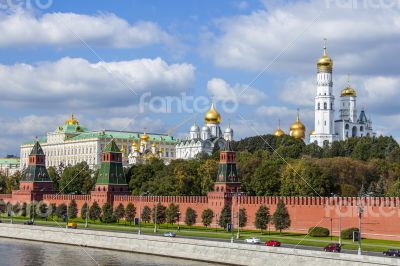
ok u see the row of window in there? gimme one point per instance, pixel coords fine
(325, 106)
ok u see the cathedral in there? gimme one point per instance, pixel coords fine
(329, 127)
(206, 138)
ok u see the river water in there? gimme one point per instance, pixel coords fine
(29, 253)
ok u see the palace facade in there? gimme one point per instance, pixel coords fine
(73, 143)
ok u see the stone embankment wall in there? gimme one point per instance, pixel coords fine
(212, 251)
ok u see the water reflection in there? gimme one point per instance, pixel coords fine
(28, 253)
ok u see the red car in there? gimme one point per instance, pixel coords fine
(333, 247)
(273, 243)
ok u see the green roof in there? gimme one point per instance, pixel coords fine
(68, 128)
(111, 147)
(8, 161)
(37, 149)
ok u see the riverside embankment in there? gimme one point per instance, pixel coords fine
(193, 249)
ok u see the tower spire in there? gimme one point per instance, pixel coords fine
(325, 41)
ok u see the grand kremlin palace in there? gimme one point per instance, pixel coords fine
(72, 143)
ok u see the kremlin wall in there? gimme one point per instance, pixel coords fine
(381, 216)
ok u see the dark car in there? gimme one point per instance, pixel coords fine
(392, 253)
(273, 243)
(333, 247)
(29, 222)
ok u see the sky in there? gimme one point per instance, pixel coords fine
(156, 65)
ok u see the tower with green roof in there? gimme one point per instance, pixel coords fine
(111, 179)
(227, 179)
(35, 180)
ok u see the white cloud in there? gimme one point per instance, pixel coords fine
(357, 43)
(77, 83)
(22, 28)
(240, 93)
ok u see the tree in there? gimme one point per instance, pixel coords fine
(172, 213)
(17, 209)
(94, 211)
(107, 213)
(225, 217)
(281, 218)
(3, 183)
(84, 210)
(43, 210)
(119, 212)
(146, 214)
(24, 209)
(191, 216)
(74, 179)
(52, 209)
(61, 210)
(54, 176)
(263, 218)
(72, 209)
(159, 213)
(208, 170)
(242, 217)
(13, 182)
(206, 217)
(130, 212)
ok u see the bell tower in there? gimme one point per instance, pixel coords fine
(111, 179)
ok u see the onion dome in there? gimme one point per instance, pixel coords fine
(312, 132)
(348, 91)
(72, 121)
(297, 129)
(212, 116)
(325, 63)
(279, 132)
(153, 145)
(205, 129)
(195, 128)
(134, 144)
(144, 137)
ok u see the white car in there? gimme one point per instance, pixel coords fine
(252, 240)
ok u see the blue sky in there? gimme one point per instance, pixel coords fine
(97, 58)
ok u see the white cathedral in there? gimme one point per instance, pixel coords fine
(206, 139)
(349, 123)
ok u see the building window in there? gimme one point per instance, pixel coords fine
(325, 106)
(347, 126)
(325, 122)
(319, 106)
(361, 129)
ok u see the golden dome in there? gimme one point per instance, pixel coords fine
(134, 144)
(297, 129)
(348, 91)
(324, 63)
(312, 132)
(144, 137)
(72, 121)
(153, 145)
(279, 132)
(136, 149)
(212, 116)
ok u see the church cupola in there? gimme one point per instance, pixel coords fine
(325, 63)
(212, 116)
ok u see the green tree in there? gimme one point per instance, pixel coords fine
(72, 209)
(130, 212)
(206, 217)
(225, 217)
(24, 209)
(190, 217)
(43, 210)
(242, 217)
(61, 210)
(208, 171)
(17, 209)
(84, 210)
(159, 213)
(146, 214)
(172, 213)
(74, 179)
(119, 212)
(94, 211)
(281, 218)
(13, 182)
(3, 183)
(263, 218)
(55, 177)
(107, 213)
(52, 209)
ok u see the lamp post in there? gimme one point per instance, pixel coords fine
(179, 215)
(155, 219)
(232, 222)
(360, 212)
(87, 214)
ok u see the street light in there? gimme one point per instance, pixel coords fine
(360, 212)
(87, 214)
(179, 215)
(155, 219)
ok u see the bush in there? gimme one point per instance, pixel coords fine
(318, 231)
(348, 233)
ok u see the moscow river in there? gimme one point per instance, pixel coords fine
(27, 253)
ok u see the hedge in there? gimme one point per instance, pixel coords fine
(348, 233)
(318, 231)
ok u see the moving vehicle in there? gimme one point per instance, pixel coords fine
(392, 253)
(332, 247)
(273, 243)
(72, 225)
(252, 240)
(29, 222)
(169, 234)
